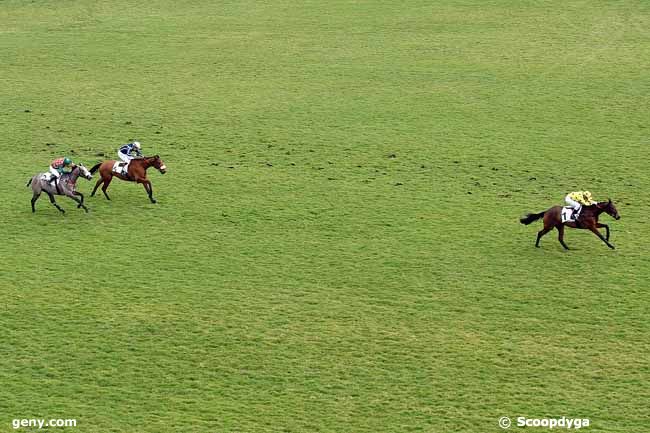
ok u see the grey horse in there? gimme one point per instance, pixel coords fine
(64, 186)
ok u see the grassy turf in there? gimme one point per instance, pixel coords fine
(336, 245)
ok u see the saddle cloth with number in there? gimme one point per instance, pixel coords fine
(121, 168)
(568, 215)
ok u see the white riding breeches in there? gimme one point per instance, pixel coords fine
(55, 172)
(124, 157)
(574, 204)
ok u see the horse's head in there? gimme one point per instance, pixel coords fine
(84, 172)
(609, 208)
(158, 164)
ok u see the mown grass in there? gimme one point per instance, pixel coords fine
(336, 245)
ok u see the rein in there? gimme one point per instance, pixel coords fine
(147, 162)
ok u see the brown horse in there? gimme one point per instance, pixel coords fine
(588, 220)
(137, 173)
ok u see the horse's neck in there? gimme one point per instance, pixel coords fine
(595, 209)
(71, 177)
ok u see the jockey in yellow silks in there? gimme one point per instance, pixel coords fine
(577, 199)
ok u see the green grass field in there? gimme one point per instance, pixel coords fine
(336, 245)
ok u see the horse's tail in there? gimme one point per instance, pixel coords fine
(95, 167)
(30, 182)
(529, 218)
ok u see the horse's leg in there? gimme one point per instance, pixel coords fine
(147, 187)
(593, 228)
(80, 195)
(99, 182)
(149, 190)
(54, 202)
(548, 226)
(34, 198)
(80, 203)
(107, 181)
(600, 225)
(560, 235)
(541, 233)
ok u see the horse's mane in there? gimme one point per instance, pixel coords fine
(599, 206)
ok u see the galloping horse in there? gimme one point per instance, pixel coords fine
(588, 220)
(65, 186)
(137, 173)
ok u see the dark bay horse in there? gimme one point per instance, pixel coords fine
(137, 173)
(65, 186)
(588, 220)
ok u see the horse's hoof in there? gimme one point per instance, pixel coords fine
(153, 202)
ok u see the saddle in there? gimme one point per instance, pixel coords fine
(121, 168)
(49, 178)
(568, 215)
